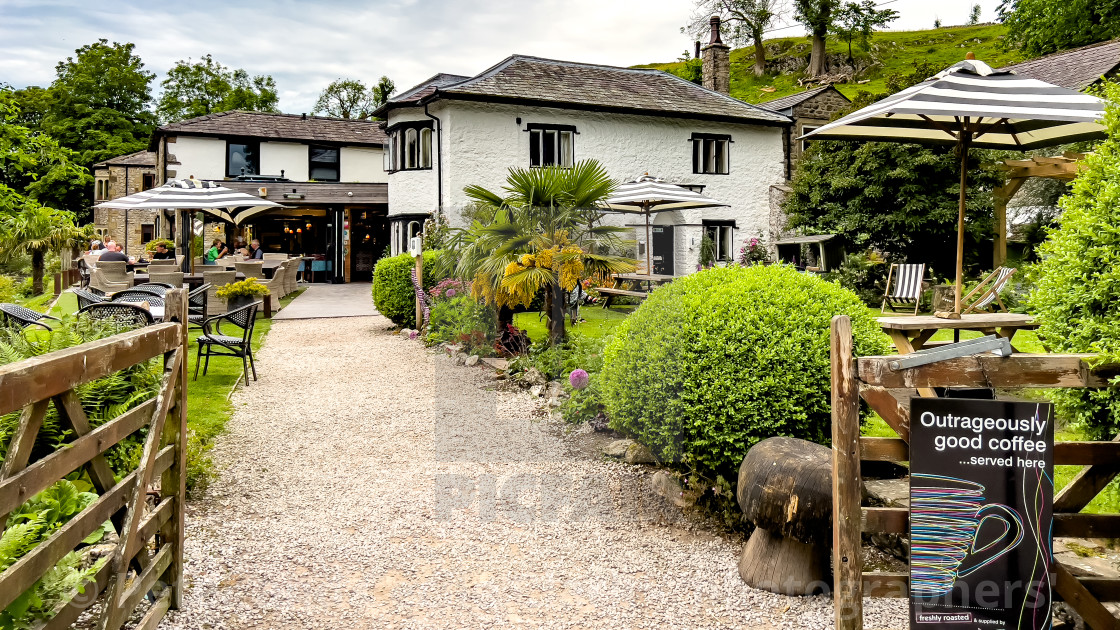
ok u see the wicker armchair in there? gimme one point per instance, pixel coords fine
(123, 312)
(23, 316)
(250, 269)
(162, 262)
(290, 277)
(212, 342)
(217, 280)
(172, 278)
(111, 276)
(275, 256)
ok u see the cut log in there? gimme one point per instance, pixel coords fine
(785, 486)
(784, 565)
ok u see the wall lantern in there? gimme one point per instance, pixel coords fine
(309, 226)
(299, 230)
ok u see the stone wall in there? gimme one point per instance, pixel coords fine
(814, 112)
(716, 67)
(115, 182)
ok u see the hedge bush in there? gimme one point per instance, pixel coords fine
(719, 360)
(1077, 297)
(393, 294)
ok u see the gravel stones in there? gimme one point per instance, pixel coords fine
(367, 483)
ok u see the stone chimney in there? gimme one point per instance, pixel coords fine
(716, 57)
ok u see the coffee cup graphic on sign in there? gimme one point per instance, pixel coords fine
(954, 532)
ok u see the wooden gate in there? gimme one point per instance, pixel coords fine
(151, 538)
(888, 392)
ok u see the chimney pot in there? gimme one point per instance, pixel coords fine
(970, 55)
(303, 116)
(715, 39)
(716, 62)
(697, 55)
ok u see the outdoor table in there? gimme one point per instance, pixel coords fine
(648, 278)
(191, 280)
(910, 333)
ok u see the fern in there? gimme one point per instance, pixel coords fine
(17, 540)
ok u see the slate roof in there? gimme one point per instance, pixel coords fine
(1074, 69)
(793, 100)
(548, 82)
(140, 158)
(427, 87)
(267, 126)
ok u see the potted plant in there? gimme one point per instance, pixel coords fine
(238, 294)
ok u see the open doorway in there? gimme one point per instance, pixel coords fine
(369, 236)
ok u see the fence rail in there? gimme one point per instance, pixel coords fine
(888, 392)
(150, 539)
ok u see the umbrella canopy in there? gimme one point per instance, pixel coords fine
(970, 105)
(647, 194)
(195, 194)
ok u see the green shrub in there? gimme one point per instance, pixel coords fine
(584, 404)
(716, 361)
(7, 288)
(463, 320)
(393, 294)
(864, 274)
(1077, 298)
(557, 361)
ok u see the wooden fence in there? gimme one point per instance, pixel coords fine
(151, 538)
(888, 393)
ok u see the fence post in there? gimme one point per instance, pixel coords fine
(174, 481)
(846, 483)
(419, 283)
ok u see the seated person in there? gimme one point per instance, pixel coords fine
(162, 253)
(255, 251)
(216, 251)
(113, 252)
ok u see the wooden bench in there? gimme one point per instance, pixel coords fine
(612, 293)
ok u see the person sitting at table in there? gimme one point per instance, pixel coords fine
(112, 253)
(95, 248)
(216, 251)
(255, 251)
(162, 253)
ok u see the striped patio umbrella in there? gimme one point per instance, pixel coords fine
(651, 194)
(971, 105)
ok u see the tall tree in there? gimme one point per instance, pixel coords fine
(857, 21)
(1041, 27)
(207, 87)
(99, 102)
(817, 16)
(741, 21)
(350, 98)
(383, 91)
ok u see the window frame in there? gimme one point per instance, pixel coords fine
(147, 227)
(147, 181)
(721, 231)
(256, 154)
(100, 192)
(716, 149)
(399, 154)
(311, 163)
(804, 144)
(558, 149)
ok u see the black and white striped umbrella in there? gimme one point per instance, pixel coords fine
(647, 194)
(195, 194)
(971, 105)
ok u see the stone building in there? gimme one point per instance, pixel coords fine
(118, 177)
(809, 109)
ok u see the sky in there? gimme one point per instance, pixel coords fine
(305, 45)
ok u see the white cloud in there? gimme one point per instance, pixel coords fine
(305, 45)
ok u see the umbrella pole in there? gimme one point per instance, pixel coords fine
(649, 245)
(966, 138)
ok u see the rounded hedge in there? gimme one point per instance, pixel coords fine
(719, 360)
(393, 294)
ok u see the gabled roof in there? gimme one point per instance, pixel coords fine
(268, 126)
(427, 87)
(1074, 69)
(793, 100)
(571, 85)
(140, 158)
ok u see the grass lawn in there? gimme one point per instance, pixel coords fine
(599, 322)
(208, 405)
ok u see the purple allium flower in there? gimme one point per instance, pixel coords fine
(450, 293)
(578, 379)
(412, 334)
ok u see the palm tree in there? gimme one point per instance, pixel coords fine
(34, 231)
(545, 232)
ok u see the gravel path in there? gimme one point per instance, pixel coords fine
(370, 483)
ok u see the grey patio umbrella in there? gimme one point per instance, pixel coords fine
(195, 194)
(971, 105)
(647, 194)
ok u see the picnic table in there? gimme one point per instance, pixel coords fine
(912, 333)
(635, 280)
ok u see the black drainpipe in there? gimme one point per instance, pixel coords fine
(126, 211)
(439, 158)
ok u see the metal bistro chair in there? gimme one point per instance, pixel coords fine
(132, 297)
(196, 305)
(907, 287)
(123, 312)
(219, 345)
(139, 294)
(85, 298)
(23, 316)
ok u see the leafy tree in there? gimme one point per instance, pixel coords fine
(350, 98)
(857, 21)
(207, 87)
(1041, 27)
(742, 21)
(35, 230)
(817, 17)
(544, 233)
(1078, 289)
(974, 15)
(99, 102)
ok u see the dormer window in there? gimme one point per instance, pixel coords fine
(710, 154)
(410, 146)
(242, 158)
(551, 145)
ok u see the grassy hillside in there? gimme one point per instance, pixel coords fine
(891, 53)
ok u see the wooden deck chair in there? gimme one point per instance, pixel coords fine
(907, 287)
(980, 298)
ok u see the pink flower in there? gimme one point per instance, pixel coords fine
(450, 293)
(579, 379)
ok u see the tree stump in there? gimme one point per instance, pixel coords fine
(785, 490)
(944, 298)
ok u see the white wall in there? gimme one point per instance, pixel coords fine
(205, 158)
(362, 164)
(290, 157)
(414, 191)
